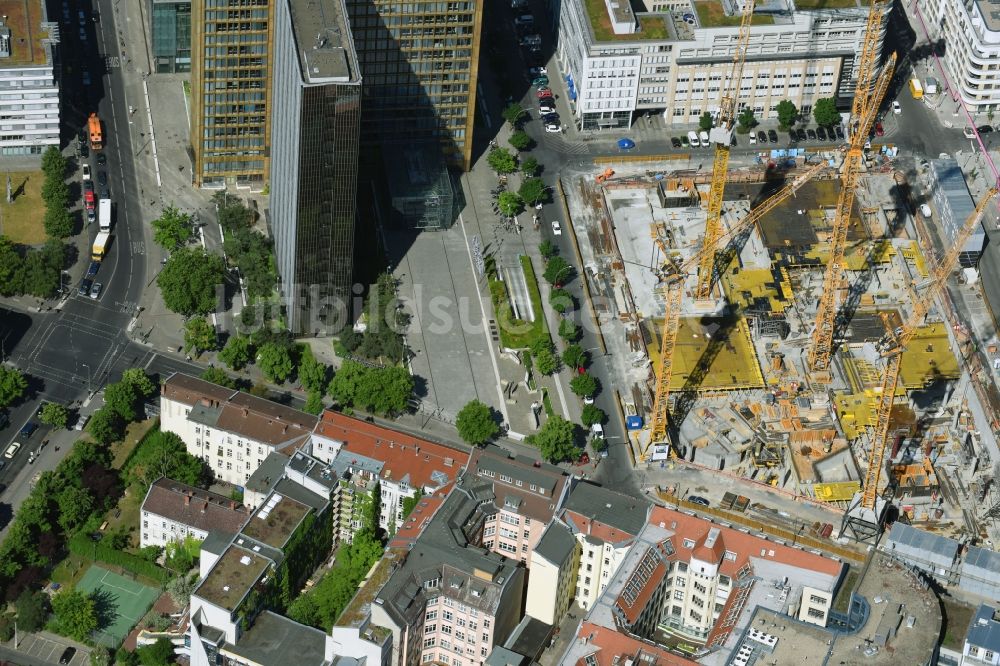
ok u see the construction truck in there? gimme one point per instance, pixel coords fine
(101, 244)
(96, 134)
(104, 214)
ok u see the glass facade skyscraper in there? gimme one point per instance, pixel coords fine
(316, 101)
(171, 23)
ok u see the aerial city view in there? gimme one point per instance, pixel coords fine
(508, 333)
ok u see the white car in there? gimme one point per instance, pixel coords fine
(588, 399)
(896, 108)
(553, 128)
(12, 450)
(556, 228)
(925, 210)
(86, 172)
(753, 139)
(537, 71)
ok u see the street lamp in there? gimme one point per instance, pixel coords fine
(88, 376)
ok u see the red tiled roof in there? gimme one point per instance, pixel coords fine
(596, 528)
(402, 454)
(415, 523)
(194, 507)
(633, 610)
(609, 644)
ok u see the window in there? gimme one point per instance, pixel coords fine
(483, 651)
(459, 635)
(447, 616)
(817, 599)
(682, 566)
(527, 534)
(428, 657)
(486, 637)
(819, 614)
(432, 615)
(446, 629)
(486, 624)
(430, 628)
(679, 595)
(429, 642)
(688, 543)
(461, 622)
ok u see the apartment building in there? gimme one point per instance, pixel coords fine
(523, 496)
(552, 581)
(363, 454)
(971, 31)
(173, 511)
(605, 524)
(316, 98)
(258, 569)
(982, 640)
(29, 90)
(954, 204)
(671, 58)
(419, 63)
(232, 431)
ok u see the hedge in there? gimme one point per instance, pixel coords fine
(82, 545)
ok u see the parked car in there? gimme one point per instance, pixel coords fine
(102, 177)
(12, 450)
(761, 136)
(540, 82)
(537, 71)
(925, 210)
(693, 139)
(792, 136)
(85, 77)
(524, 20)
(28, 429)
(546, 108)
(85, 285)
(556, 228)
(984, 129)
(896, 108)
(821, 134)
(811, 133)
(753, 139)
(67, 655)
(83, 35)
(800, 134)
(550, 117)
(879, 130)
(840, 132)
(543, 92)
(684, 141)
(675, 142)
(553, 128)
(86, 171)
(703, 137)
(95, 290)
(102, 159)
(698, 499)
(93, 268)
(772, 136)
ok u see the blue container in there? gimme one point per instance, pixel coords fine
(633, 422)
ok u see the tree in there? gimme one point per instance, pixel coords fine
(40, 273)
(502, 161)
(409, 503)
(705, 122)
(513, 113)
(237, 352)
(160, 653)
(11, 273)
(53, 163)
(32, 610)
(557, 271)
(530, 166)
(315, 376)
(181, 587)
(100, 656)
(533, 191)
(476, 424)
(75, 505)
(58, 222)
(172, 229)
(252, 253)
(556, 440)
(787, 113)
(54, 414)
(275, 362)
(569, 330)
(140, 382)
(55, 191)
(584, 385)
(125, 658)
(122, 399)
(12, 385)
(199, 336)
(561, 300)
(519, 140)
(372, 513)
(189, 279)
(163, 453)
(232, 213)
(106, 426)
(546, 362)
(548, 249)
(510, 203)
(825, 112)
(314, 402)
(75, 614)
(384, 391)
(574, 356)
(746, 120)
(592, 414)
(218, 376)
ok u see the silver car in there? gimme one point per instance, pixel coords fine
(95, 290)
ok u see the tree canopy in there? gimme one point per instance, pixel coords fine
(547, 362)
(787, 113)
(557, 271)
(32, 610)
(519, 140)
(530, 166)
(75, 614)
(574, 356)
(238, 352)
(556, 440)
(510, 203)
(747, 120)
(199, 336)
(172, 229)
(476, 423)
(513, 113)
(533, 191)
(275, 362)
(218, 376)
(385, 391)
(502, 161)
(12, 385)
(163, 453)
(313, 375)
(825, 112)
(705, 122)
(584, 385)
(189, 279)
(54, 414)
(592, 414)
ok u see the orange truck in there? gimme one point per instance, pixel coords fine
(96, 135)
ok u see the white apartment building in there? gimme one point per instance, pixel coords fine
(670, 61)
(971, 31)
(232, 431)
(173, 511)
(555, 561)
(29, 91)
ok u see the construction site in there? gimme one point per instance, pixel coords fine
(788, 320)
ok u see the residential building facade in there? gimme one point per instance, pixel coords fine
(555, 562)
(231, 74)
(232, 431)
(29, 90)
(523, 498)
(972, 31)
(316, 97)
(419, 60)
(672, 59)
(172, 511)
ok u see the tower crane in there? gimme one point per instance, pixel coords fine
(721, 136)
(867, 99)
(673, 278)
(891, 349)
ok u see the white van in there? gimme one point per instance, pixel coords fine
(597, 430)
(693, 139)
(925, 210)
(703, 135)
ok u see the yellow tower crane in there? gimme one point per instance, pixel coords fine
(673, 278)
(721, 135)
(867, 99)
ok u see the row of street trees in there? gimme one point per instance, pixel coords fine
(824, 112)
(55, 194)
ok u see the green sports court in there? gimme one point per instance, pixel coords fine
(128, 601)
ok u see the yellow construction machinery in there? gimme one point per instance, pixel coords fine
(673, 276)
(722, 135)
(864, 517)
(867, 99)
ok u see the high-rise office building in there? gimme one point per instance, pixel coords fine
(171, 29)
(316, 102)
(419, 59)
(230, 86)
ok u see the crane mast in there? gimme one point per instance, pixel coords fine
(721, 135)
(895, 342)
(867, 99)
(675, 272)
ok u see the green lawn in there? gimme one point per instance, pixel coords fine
(70, 570)
(517, 333)
(651, 27)
(23, 220)
(956, 622)
(710, 15)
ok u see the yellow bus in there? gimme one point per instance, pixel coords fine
(916, 89)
